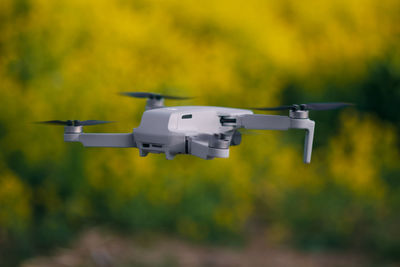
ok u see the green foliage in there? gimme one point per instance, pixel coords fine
(68, 59)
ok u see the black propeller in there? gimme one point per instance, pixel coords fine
(74, 122)
(309, 106)
(153, 95)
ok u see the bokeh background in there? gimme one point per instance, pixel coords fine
(68, 59)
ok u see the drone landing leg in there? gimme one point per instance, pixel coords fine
(309, 126)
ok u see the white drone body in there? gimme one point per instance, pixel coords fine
(203, 131)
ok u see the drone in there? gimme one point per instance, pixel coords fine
(202, 131)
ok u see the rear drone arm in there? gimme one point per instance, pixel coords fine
(75, 134)
(296, 120)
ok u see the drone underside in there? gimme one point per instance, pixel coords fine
(203, 131)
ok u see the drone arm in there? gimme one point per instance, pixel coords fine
(107, 139)
(101, 139)
(264, 122)
(275, 122)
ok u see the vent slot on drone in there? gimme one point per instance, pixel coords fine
(156, 145)
(187, 116)
(147, 145)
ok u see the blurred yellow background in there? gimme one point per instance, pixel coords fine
(69, 59)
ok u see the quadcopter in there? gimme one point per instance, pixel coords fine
(203, 131)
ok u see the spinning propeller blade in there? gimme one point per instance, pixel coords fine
(309, 106)
(153, 95)
(74, 122)
(57, 122)
(92, 122)
(325, 106)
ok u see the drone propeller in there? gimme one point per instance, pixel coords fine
(75, 122)
(309, 106)
(153, 95)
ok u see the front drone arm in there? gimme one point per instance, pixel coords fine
(263, 122)
(75, 134)
(296, 120)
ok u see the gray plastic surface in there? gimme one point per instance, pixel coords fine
(107, 140)
(274, 122)
(202, 131)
